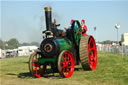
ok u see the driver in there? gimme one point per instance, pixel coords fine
(70, 27)
(54, 28)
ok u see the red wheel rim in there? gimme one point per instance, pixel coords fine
(67, 64)
(92, 53)
(38, 69)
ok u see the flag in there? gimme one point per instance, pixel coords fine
(95, 28)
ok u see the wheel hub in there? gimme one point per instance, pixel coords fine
(48, 47)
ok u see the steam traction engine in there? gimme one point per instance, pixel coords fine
(63, 50)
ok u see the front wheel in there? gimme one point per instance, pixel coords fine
(36, 68)
(66, 64)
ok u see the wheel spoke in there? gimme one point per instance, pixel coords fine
(64, 66)
(68, 57)
(64, 58)
(35, 69)
(70, 61)
(91, 58)
(34, 64)
(90, 41)
(94, 59)
(34, 60)
(36, 73)
(63, 63)
(67, 69)
(91, 48)
(63, 70)
(67, 73)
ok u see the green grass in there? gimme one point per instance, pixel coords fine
(111, 70)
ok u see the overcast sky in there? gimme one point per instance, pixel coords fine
(25, 20)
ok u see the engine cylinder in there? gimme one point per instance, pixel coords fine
(51, 47)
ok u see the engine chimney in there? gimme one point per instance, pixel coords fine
(48, 18)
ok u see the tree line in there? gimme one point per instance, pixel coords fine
(110, 42)
(14, 43)
(107, 42)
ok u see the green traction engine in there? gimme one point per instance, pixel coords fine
(63, 50)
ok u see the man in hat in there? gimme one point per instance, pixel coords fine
(66, 28)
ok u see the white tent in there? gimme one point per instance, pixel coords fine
(26, 50)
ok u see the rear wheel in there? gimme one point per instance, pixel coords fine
(36, 68)
(66, 64)
(88, 53)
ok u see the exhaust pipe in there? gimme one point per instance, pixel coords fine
(48, 18)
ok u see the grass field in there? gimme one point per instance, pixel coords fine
(111, 70)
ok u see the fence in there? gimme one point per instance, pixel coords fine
(114, 49)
